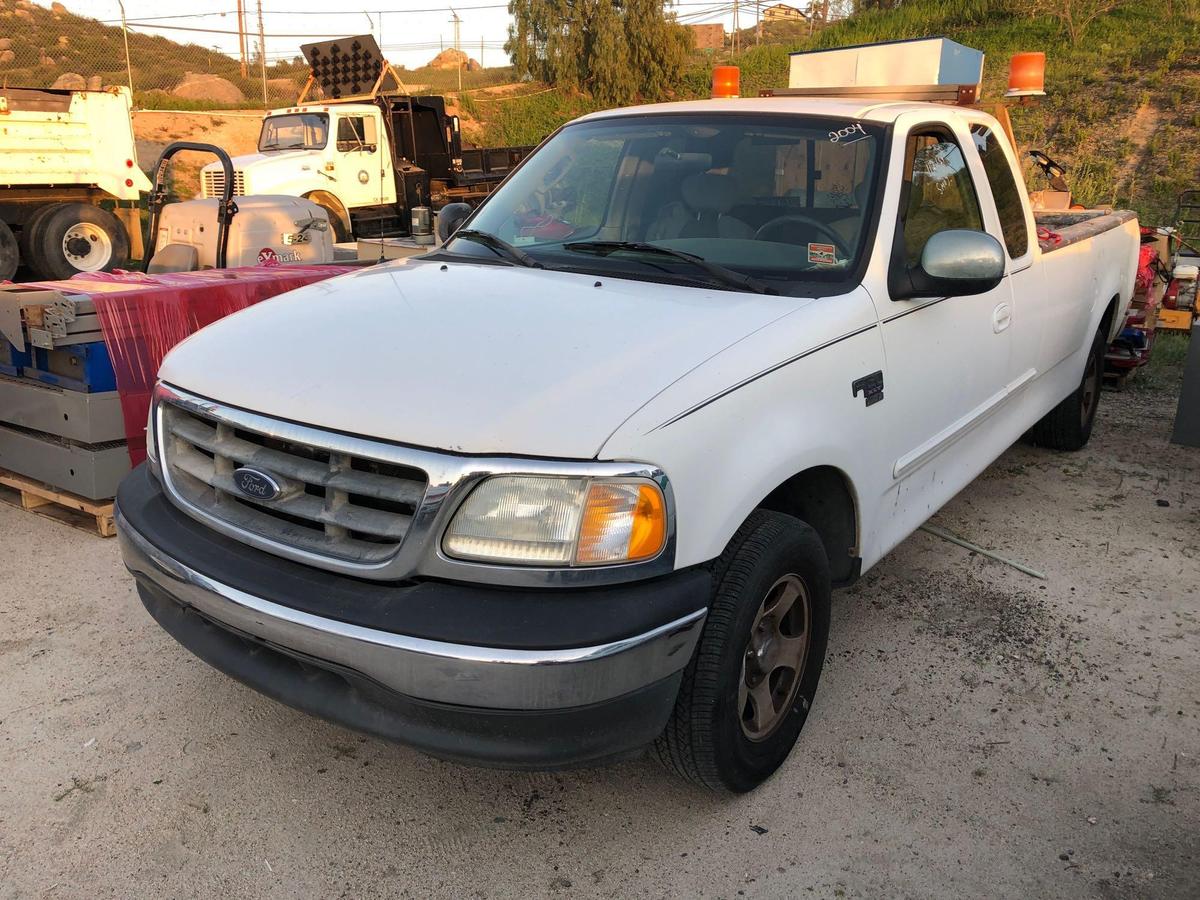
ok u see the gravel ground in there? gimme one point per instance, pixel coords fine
(977, 733)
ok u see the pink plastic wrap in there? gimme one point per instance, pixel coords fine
(143, 316)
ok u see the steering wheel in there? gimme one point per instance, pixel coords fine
(768, 231)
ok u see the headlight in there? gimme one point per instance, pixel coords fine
(555, 521)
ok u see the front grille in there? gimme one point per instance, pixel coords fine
(330, 503)
(212, 184)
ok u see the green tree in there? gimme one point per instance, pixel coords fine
(616, 49)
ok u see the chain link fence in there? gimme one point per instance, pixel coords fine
(170, 64)
(52, 46)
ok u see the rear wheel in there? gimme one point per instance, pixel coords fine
(27, 238)
(76, 237)
(1069, 425)
(9, 254)
(747, 690)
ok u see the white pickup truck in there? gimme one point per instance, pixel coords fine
(581, 480)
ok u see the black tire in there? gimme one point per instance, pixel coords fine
(1069, 425)
(77, 237)
(706, 740)
(10, 255)
(27, 238)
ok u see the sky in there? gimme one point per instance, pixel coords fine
(411, 32)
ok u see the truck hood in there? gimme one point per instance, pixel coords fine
(257, 162)
(467, 357)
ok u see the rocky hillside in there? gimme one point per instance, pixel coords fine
(45, 47)
(1123, 105)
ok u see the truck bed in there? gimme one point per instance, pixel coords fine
(1073, 226)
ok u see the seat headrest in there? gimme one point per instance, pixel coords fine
(710, 192)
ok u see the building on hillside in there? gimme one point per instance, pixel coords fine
(708, 37)
(781, 12)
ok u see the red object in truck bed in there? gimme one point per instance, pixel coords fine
(143, 316)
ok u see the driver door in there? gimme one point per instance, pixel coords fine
(358, 163)
(948, 358)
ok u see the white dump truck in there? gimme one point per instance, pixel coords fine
(68, 158)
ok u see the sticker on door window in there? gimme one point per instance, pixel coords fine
(822, 254)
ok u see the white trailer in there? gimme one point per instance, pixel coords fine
(67, 156)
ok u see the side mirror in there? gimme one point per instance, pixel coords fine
(956, 263)
(450, 218)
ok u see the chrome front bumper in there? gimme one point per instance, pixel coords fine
(464, 675)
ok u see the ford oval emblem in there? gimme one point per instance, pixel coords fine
(256, 484)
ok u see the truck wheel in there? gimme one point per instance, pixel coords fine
(1069, 425)
(77, 237)
(747, 690)
(9, 254)
(27, 237)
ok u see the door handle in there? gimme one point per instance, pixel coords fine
(1001, 317)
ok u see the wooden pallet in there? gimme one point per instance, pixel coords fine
(71, 509)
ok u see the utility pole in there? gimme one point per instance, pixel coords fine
(125, 34)
(262, 53)
(481, 51)
(457, 49)
(736, 43)
(241, 17)
(758, 22)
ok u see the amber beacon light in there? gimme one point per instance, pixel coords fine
(726, 82)
(1027, 75)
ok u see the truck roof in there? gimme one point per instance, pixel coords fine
(325, 107)
(884, 111)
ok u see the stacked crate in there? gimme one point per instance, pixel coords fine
(61, 424)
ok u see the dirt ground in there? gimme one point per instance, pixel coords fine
(977, 733)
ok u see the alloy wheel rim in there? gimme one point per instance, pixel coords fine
(87, 247)
(775, 656)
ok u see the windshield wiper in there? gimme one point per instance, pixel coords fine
(499, 247)
(717, 272)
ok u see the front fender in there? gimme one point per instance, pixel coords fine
(739, 426)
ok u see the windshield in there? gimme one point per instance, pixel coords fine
(782, 199)
(296, 131)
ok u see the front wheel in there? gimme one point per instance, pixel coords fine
(77, 237)
(1069, 425)
(748, 688)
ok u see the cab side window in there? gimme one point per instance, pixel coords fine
(941, 195)
(356, 133)
(1004, 189)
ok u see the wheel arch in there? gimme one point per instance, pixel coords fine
(824, 497)
(1108, 324)
(331, 202)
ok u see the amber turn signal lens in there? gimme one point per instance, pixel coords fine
(621, 523)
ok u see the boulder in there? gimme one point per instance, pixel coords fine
(70, 81)
(94, 83)
(57, 8)
(200, 86)
(63, 40)
(5, 43)
(6, 56)
(453, 59)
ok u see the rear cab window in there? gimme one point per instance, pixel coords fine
(1005, 191)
